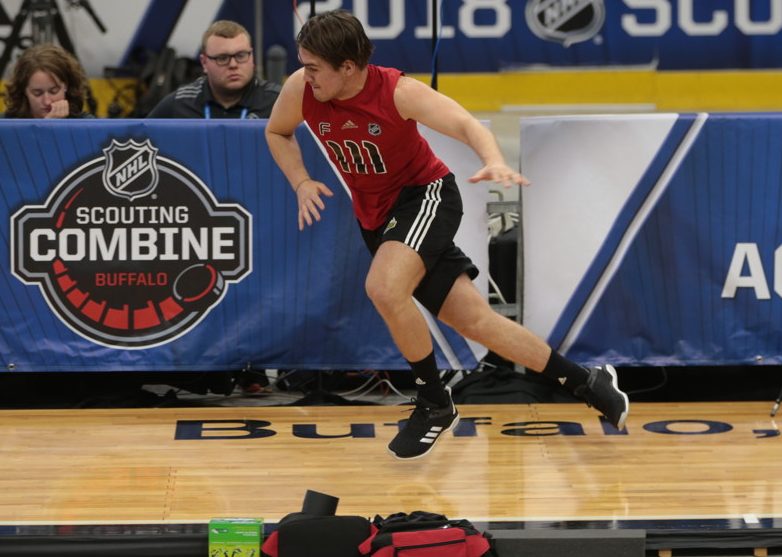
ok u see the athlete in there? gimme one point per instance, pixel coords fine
(408, 207)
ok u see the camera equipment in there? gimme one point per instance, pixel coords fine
(46, 22)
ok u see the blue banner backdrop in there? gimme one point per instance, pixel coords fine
(495, 35)
(492, 35)
(298, 302)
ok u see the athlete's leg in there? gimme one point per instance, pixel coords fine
(469, 313)
(395, 272)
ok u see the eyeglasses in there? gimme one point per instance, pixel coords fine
(224, 59)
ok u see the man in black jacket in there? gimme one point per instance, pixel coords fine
(229, 87)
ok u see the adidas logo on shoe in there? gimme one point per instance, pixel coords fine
(432, 435)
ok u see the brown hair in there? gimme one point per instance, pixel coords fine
(225, 29)
(55, 61)
(336, 36)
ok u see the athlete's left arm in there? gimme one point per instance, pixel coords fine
(417, 101)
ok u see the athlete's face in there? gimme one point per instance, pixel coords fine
(44, 90)
(222, 68)
(327, 83)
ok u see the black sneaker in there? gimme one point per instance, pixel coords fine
(601, 391)
(423, 428)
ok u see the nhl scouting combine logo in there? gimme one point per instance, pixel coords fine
(131, 250)
(565, 21)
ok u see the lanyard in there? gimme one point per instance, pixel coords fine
(208, 112)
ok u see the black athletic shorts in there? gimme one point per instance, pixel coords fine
(426, 218)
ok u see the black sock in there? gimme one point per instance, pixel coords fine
(427, 380)
(568, 374)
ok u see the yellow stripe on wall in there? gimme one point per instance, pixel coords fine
(655, 90)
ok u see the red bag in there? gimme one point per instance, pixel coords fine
(422, 534)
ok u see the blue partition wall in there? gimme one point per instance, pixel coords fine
(672, 251)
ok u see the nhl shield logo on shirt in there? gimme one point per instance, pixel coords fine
(565, 21)
(374, 129)
(131, 249)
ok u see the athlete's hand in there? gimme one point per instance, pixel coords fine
(59, 109)
(310, 204)
(499, 174)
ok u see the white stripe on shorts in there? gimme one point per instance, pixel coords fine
(425, 217)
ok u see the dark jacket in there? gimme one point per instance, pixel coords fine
(191, 101)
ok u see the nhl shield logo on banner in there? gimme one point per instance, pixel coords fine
(565, 21)
(131, 169)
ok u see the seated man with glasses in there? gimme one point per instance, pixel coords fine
(229, 87)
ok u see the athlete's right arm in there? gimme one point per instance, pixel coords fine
(280, 136)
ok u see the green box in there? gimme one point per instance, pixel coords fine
(235, 537)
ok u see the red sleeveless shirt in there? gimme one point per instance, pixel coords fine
(376, 151)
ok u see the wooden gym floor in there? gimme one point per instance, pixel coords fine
(516, 463)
